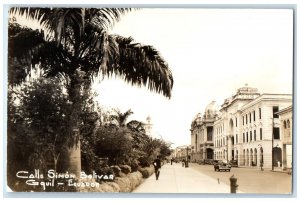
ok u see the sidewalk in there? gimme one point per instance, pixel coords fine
(177, 179)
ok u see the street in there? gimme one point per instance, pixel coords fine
(251, 180)
(203, 179)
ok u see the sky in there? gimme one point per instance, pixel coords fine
(211, 53)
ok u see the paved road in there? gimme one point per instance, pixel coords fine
(251, 180)
(177, 179)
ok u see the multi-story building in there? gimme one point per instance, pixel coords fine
(286, 129)
(227, 125)
(261, 141)
(182, 152)
(246, 129)
(202, 129)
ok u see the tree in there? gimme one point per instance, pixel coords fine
(113, 143)
(76, 46)
(37, 124)
(121, 118)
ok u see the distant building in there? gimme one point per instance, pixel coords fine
(246, 129)
(148, 126)
(182, 152)
(202, 133)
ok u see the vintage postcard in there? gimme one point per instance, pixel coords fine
(175, 100)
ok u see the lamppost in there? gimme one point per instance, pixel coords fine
(187, 157)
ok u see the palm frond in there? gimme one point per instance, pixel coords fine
(22, 39)
(27, 48)
(105, 17)
(142, 66)
(59, 20)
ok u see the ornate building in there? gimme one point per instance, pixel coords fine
(228, 123)
(246, 129)
(202, 133)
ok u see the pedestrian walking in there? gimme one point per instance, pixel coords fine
(157, 166)
(261, 165)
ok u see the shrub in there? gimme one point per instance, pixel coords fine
(116, 170)
(105, 171)
(100, 187)
(144, 162)
(109, 187)
(124, 183)
(146, 171)
(129, 182)
(125, 169)
(121, 184)
(134, 166)
(135, 179)
(87, 188)
(114, 185)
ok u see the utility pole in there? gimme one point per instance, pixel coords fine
(272, 143)
(187, 157)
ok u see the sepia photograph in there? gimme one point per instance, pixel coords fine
(150, 100)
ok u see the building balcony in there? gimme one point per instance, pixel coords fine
(209, 143)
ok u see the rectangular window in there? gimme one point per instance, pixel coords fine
(209, 133)
(275, 110)
(246, 119)
(243, 137)
(236, 138)
(254, 135)
(250, 117)
(253, 115)
(247, 137)
(235, 122)
(259, 113)
(276, 133)
(250, 136)
(260, 133)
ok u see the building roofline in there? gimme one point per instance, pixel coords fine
(285, 110)
(267, 97)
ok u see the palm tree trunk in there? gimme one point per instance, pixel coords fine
(71, 159)
(72, 156)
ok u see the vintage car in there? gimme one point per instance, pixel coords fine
(220, 165)
(233, 163)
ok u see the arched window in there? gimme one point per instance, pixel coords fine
(288, 123)
(284, 124)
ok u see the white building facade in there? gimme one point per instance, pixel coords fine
(247, 130)
(286, 129)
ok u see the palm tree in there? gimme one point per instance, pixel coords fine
(121, 118)
(75, 45)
